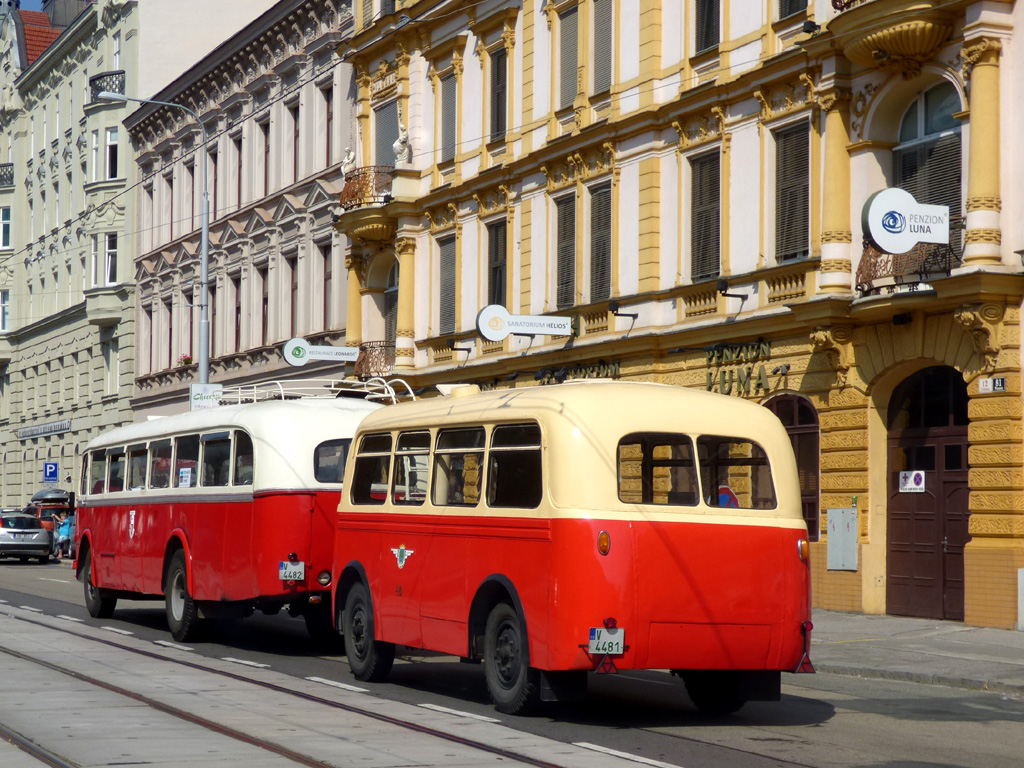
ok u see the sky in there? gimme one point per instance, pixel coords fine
(31, 5)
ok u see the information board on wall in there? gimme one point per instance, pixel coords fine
(841, 549)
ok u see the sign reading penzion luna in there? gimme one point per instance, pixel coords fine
(895, 222)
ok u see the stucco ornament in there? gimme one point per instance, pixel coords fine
(110, 11)
(349, 163)
(402, 147)
(835, 344)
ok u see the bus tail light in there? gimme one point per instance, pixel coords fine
(324, 578)
(604, 542)
(803, 549)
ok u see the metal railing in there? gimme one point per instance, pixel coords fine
(111, 82)
(374, 389)
(370, 185)
(879, 271)
(376, 359)
(6, 174)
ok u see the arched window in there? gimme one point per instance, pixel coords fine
(801, 422)
(391, 304)
(926, 162)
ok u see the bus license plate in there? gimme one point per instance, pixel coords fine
(607, 640)
(287, 571)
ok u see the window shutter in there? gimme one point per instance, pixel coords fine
(931, 173)
(707, 25)
(792, 192)
(446, 322)
(602, 45)
(497, 254)
(499, 94)
(448, 114)
(385, 119)
(568, 43)
(386, 7)
(705, 217)
(600, 242)
(367, 13)
(390, 314)
(789, 7)
(565, 209)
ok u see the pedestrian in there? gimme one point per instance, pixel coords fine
(61, 532)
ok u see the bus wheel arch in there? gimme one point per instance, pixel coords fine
(181, 608)
(353, 573)
(97, 601)
(174, 545)
(495, 589)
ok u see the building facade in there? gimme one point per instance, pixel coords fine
(685, 179)
(67, 347)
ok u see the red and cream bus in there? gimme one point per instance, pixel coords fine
(222, 511)
(552, 531)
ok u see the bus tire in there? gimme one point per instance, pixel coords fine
(511, 682)
(714, 693)
(182, 611)
(98, 606)
(369, 659)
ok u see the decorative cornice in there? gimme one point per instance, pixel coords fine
(983, 51)
(988, 236)
(984, 203)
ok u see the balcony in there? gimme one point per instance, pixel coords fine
(6, 174)
(880, 272)
(364, 200)
(112, 82)
(868, 35)
(376, 358)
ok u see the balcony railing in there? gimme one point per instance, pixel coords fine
(880, 272)
(845, 5)
(367, 186)
(6, 174)
(376, 358)
(112, 82)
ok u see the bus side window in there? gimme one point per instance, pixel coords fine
(216, 459)
(458, 467)
(137, 461)
(243, 459)
(372, 470)
(329, 460)
(160, 464)
(98, 472)
(186, 461)
(657, 468)
(514, 475)
(735, 473)
(412, 461)
(115, 475)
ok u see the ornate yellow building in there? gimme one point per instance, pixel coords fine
(685, 180)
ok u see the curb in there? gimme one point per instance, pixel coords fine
(950, 681)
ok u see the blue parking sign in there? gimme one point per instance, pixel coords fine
(49, 471)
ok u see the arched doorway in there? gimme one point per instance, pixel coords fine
(928, 495)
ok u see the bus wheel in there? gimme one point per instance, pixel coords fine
(512, 683)
(182, 611)
(369, 659)
(714, 692)
(98, 606)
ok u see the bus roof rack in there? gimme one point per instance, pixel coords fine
(376, 389)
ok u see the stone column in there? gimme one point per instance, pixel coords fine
(983, 237)
(836, 259)
(354, 310)
(405, 332)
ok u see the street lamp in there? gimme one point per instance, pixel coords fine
(204, 269)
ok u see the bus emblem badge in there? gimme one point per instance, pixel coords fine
(401, 553)
(131, 524)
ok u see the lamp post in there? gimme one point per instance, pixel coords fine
(204, 269)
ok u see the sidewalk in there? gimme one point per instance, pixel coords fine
(918, 650)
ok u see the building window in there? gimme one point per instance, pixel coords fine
(499, 94)
(190, 322)
(293, 115)
(705, 217)
(94, 155)
(112, 153)
(385, 133)
(600, 242)
(190, 193)
(146, 339)
(449, 107)
(214, 183)
(327, 94)
(707, 25)
(5, 226)
(565, 250)
(111, 366)
(211, 305)
(264, 129)
(446, 302)
(926, 162)
(94, 270)
(603, 45)
(237, 144)
(391, 303)
(326, 256)
(801, 422)
(236, 288)
(788, 8)
(792, 192)
(264, 307)
(568, 46)
(5, 310)
(497, 262)
(117, 52)
(110, 258)
(169, 320)
(292, 268)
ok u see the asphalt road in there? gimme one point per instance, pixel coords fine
(823, 720)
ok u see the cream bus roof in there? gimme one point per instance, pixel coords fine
(591, 417)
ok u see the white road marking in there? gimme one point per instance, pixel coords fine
(335, 684)
(169, 644)
(69, 618)
(625, 755)
(59, 581)
(459, 713)
(30, 608)
(118, 631)
(244, 662)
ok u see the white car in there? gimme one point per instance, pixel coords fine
(23, 536)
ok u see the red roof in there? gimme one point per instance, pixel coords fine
(38, 33)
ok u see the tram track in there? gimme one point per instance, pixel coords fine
(52, 759)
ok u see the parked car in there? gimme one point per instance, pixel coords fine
(23, 536)
(45, 504)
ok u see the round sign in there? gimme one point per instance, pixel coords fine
(296, 352)
(885, 220)
(492, 322)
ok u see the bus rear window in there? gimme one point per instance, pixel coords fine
(656, 468)
(329, 460)
(735, 473)
(514, 468)
(372, 470)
